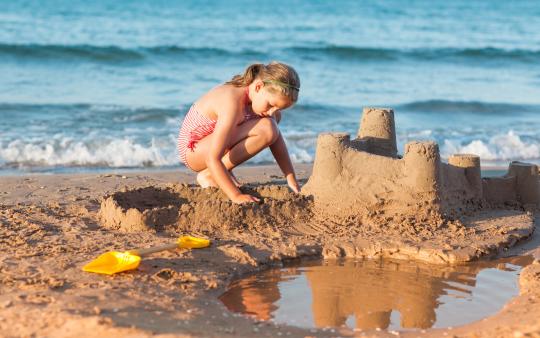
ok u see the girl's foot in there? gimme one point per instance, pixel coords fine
(205, 180)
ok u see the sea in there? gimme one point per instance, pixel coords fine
(103, 85)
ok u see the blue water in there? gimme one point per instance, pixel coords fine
(98, 84)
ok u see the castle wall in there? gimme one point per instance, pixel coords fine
(347, 181)
(520, 185)
(363, 175)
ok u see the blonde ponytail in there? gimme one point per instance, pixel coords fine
(278, 76)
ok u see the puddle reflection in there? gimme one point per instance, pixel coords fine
(369, 294)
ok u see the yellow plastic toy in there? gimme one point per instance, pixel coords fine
(113, 261)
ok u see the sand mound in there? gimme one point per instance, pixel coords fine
(188, 208)
(143, 209)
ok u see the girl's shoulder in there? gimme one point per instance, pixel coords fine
(223, 91)
(212, 103)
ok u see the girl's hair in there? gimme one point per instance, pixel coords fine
(278, 76)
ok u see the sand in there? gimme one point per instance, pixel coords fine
(360, 199)
(51, 226)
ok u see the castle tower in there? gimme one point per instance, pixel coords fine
(378, 128)
(422, 166)
(527, 182)
(471, 164)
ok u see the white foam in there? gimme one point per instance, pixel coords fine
(420, 134)
(67, 152)
(301, 145)
(500, 147)
(99, 151)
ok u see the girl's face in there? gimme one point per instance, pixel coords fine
(266, 103)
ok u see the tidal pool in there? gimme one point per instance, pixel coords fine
(382, 293)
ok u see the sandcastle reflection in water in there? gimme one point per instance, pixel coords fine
(369, 294)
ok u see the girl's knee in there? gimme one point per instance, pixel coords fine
(268, 129)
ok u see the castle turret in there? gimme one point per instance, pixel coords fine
(378, 128)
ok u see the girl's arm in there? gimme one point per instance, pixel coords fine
(220, 139)
(281, 154)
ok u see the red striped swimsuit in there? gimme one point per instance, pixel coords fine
(195, 127)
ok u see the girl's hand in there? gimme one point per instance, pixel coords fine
(244, 198)
(293, 184)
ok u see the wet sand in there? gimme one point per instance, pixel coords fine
(52, 225)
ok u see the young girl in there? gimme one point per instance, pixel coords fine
(235, 121)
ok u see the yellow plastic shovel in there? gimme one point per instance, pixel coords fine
(113, 261)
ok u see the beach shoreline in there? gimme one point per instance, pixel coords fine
(50, 228)
(488, 169)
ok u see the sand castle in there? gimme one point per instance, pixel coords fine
(366, 175)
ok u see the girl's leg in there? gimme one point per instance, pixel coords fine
(246, 141)
(234, 179)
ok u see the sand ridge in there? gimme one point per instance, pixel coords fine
(180, 207)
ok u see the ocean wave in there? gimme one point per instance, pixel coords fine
(125, 55)
(123, 113)
(69, 153)
(488, 54)
(111, 54)
(500, 147)
(120, 152)
(29, 107)
(78, 111)
(365, 53)
(448, 106)
(105, 152)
